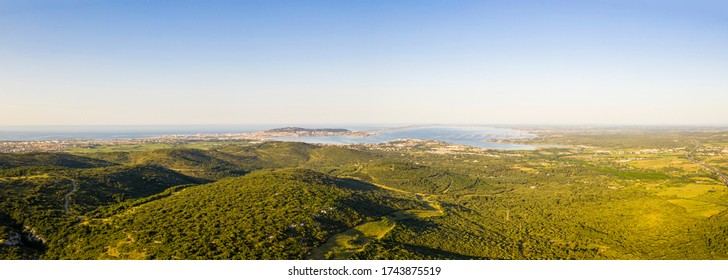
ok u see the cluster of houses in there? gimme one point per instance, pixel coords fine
(33, 146)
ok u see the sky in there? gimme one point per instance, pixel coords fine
(638, 62)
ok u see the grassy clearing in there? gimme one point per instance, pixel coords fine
(422, 214)
(121, 249)
(343, 245)
(704, 180)
(689, 190)
(419, 214)
(376, 229)
(698, 208)
(41, 176)
(525, 169)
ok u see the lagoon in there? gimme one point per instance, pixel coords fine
(475, 136)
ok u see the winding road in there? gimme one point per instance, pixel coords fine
(66, 199)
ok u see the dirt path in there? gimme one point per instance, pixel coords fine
(448, 186)
(341, 246)
(66, 197)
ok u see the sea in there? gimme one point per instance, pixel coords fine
(471, 135)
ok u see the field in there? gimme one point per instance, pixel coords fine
(666, 162)
(691, 190)
(698, 208)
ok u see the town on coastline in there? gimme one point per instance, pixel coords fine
(64, 145)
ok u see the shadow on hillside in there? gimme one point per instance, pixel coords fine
(354, 184)
(439, 254)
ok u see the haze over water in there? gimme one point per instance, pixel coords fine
(475, 136)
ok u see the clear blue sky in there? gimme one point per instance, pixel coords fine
(469, 62)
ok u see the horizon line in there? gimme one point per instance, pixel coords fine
(375, 124)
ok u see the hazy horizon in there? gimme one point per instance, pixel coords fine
(354, 125)
(348, 125)
(507, 63)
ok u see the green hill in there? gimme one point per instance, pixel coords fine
(108, 185)
(47, 200)
(284, 154)
(278, 214)
(48, 159)
(211, 165)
